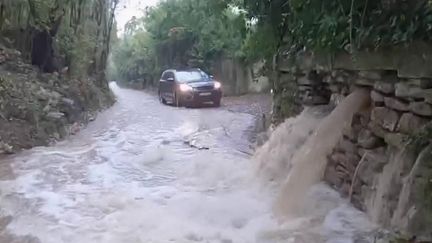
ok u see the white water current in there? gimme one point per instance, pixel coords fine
(148, 173)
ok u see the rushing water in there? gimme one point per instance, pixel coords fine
(144, 172)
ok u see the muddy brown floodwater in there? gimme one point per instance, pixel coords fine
(145, 172)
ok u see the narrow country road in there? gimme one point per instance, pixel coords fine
(142, 172)
(148, 173)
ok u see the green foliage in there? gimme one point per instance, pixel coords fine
(199, 31)
(260, 43)
(180, 33)
(332, 25)
(213, 25)
(81, 30)
(134, 57)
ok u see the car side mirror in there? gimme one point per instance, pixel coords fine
(211, 76)
(170, 79)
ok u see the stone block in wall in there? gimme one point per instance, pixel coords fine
(377, 155)
(385, 117)
(373, 163)
(421, 82)
(421, 108)
(345, 163)
(377, 98)
(409, 92)
(410, 123)
(377, 129)
(347, 146)
(374, 75)
(332, 177)
(384, 87)
(306, 81)
(409, 61)
(334, 73)
(368, 140)
(396, 104)
(303, 88)
(335, 88)
(286, 77)
(341, 79)
(427, 95)
(397, 140)
(352, 132)
(328, 79)
(365, 82)
(317, 76)
(342, 172)
(362, 118)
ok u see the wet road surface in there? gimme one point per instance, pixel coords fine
(142, 172)
(145, 172)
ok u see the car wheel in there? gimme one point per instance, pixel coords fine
(217, 103)
(161, 99)
(176, 100)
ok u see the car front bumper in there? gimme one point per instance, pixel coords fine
(200, 97)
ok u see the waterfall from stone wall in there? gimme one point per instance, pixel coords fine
(274, 157)
(306, 163)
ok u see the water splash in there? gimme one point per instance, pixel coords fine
(129, 177)
(295, 155)
(274, 157)
(309, 162)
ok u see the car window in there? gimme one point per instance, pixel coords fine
(164, 76)
(205, 76)
(190, 76)
(170, 75)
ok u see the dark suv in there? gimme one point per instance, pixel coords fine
(189, 87)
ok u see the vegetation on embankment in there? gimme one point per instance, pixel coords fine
(53, 55)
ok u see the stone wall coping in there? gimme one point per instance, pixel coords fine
(412, 60)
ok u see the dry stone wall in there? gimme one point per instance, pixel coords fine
(373, 165)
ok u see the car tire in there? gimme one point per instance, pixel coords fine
(161, 99)
(217, 103)
(176, 102)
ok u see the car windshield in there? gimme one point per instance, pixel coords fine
(191, 76)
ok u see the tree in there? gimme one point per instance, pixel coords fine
(179, 33)
(330, 26)
(58, 33)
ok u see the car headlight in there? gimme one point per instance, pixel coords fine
(217, 85)
(185, 88)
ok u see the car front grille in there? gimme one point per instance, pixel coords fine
(205, 88)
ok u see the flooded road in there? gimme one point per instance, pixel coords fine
(144, 172)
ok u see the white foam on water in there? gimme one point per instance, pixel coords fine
(132, 183)
(308, 162)
(274, 157)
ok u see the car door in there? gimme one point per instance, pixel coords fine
(163, 85)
